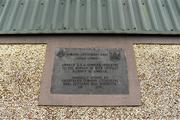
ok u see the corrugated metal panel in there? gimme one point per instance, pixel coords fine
(90, 16)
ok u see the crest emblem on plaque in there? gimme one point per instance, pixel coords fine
(61, 53)
(115, 55)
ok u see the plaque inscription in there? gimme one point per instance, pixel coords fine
(90, 71)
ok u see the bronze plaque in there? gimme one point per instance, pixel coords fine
(89, 71)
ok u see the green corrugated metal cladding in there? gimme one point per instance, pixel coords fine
(90, 16)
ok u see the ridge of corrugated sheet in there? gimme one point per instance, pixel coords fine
(90, 16)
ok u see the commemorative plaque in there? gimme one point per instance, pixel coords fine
(89, 71)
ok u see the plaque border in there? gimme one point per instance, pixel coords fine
(131, 99)
(110, 61)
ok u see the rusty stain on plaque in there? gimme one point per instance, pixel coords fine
(89, 71)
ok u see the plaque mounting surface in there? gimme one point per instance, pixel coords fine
(89, 72)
